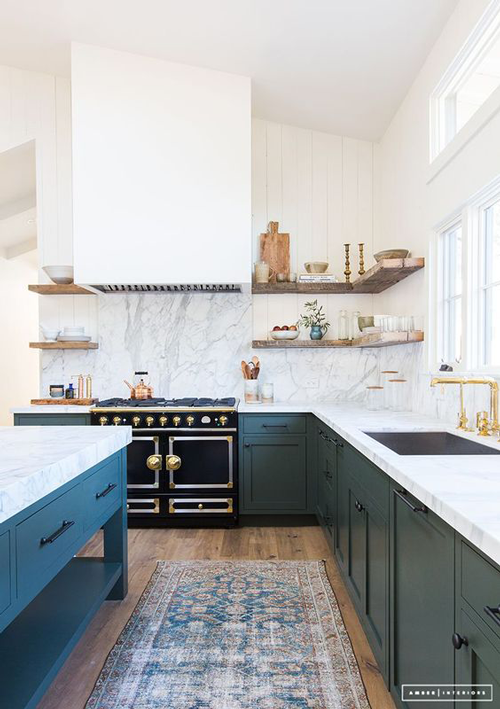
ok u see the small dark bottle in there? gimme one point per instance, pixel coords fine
(70, 392)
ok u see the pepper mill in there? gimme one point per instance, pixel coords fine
(361, 259)
(347, 272)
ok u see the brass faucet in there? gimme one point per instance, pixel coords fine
(484, 424)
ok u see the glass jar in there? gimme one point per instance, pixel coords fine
(385, 376)
(267, 393)
(355, 331)
(252, 391)
(343, 325)
(399, 394)
(374, 398)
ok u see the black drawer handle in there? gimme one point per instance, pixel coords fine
(336, 443)
(494, 613)
(327, 474)
(359, 506)
(458, 641)
(401, 494)
(274, 425)
(106, 491)
(63, 528)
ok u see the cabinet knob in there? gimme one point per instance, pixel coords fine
(458, 641)
(247, 445)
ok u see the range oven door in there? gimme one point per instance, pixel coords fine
(144, 463)
(200, 462)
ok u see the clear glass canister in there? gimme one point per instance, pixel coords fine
(385, 376)
(374, 398)
(343, 325)
(399, 393)
(355, 331)
(252, 391)
(267, 393)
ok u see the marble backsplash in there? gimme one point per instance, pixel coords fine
(193, 345)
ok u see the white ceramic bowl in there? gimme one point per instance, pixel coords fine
(391, 253)
(316, 266)
(284, 334)
(59, 274)
(50, 335)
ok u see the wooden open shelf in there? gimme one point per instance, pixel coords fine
(383, 275)
(375, 339)
(55, 289)
(64, 345)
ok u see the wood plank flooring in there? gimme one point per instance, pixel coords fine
(75, 681)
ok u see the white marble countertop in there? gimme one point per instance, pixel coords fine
(463, 490)
(36, 460)
(51, 409)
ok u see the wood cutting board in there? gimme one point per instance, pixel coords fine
(64, 402)
(275, 250)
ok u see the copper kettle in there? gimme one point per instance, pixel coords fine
(140, 391)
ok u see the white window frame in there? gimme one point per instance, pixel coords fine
(471, 218)
(445, 140)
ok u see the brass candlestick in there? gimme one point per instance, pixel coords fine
(347, 272)
(361, 259)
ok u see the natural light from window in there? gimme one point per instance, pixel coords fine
(451, 294)
(490, 284)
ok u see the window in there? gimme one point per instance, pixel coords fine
(489, 284)
(450, 306)
(469, 82)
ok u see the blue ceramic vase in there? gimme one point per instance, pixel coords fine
(316, 332)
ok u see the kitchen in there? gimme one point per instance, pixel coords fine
(250, 423)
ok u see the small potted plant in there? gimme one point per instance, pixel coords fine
(314, 319)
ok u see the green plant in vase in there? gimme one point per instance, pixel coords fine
(315, 319)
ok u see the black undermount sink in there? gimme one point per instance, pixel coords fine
(430, 443)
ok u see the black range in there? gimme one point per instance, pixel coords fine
(182, 462)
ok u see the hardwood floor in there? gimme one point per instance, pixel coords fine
(75, 681)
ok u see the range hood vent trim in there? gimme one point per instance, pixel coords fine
(167, 288)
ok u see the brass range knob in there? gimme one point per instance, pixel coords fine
(200, 506)
(223, 420)
(173, 462)
(103, 420)
(149, 420)
(136, 420)
(163, 420)
(189, 420)
(176, 420)
(117, 420)
(154, 462)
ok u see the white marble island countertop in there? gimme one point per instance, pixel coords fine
(36, 460)
(464, 490)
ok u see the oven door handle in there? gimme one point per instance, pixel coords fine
(173, 462)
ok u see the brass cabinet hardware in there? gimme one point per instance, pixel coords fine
(154, 462)
(171, 486)
(173, 462)
(230, 484)
(200, 506)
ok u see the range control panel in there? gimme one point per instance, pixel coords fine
(166, 419)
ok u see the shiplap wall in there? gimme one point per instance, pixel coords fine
(320, 189)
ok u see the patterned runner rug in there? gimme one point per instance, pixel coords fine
(233, 635)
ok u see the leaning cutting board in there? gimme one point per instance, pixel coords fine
(275, 250)
(64, 402)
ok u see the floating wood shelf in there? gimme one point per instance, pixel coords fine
(64, 345)
(59, 289)
(375, 339)
(383, 275)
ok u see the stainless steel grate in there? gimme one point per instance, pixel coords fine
(165, 288)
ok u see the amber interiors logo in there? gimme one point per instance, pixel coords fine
(447, 692)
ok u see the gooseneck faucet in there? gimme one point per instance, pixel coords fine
(484, 424)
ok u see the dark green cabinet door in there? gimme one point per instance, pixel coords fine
(274, 474)
(376, 601)
(326, 502)
(477, 662)
(343, 512)
(422, 598)
(357, 547)
(51, 419)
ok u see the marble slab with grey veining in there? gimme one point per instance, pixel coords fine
(50, 409)
(36, 460)
(463, 490)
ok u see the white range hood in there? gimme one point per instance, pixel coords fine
(161, 175)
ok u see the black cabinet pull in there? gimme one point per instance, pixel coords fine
(247, 445)
(401, 494)
(494, 613)
(327, 474)
(274, 425)
(106, 491)
(359, 506)
(458, 641)
(63, 528)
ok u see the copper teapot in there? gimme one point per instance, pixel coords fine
(141, 390)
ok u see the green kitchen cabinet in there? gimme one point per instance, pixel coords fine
(326, 482)
(422, 597)
(51, 419)
(477, 660)
(274, 476)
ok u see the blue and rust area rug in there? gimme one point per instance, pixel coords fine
(233, 635)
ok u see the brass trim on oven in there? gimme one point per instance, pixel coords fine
(144, 510)
(206, 486)
(200, 509)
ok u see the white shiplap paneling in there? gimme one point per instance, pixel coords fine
(320, 188)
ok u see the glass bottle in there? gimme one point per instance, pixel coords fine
(355, 331)
(343, 325)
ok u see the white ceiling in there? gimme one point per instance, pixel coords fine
(341, 66)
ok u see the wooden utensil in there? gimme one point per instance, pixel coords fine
(255, 372)
(244, 368)
(255, 360)
(248, 370)
(275, 250)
